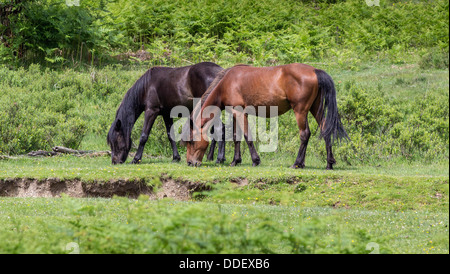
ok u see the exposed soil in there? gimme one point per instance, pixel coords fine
(54, 187)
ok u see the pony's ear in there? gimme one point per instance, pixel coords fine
(118, 125)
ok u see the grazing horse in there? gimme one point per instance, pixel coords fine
(300, 87)
(156, 93)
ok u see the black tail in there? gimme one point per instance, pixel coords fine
(333, 125)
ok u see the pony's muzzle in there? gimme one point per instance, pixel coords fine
(115, 160)
(194, 164)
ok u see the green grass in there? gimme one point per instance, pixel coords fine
(390, 188)
(121, 225)
(273, 167)
(401, 208)
(377, 194)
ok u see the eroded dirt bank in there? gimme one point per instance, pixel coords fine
(54, 187)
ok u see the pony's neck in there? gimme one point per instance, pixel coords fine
(128, 115)
(133, 103)
(212, 100)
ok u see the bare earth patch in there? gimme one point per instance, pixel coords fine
(54, 187)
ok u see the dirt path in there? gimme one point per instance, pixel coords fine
(54, 187)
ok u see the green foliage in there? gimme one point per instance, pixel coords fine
(60, 107)
(121, 225)
(381, 129)
(435, 58)
(244, 31)
(31, 119)
(42, 108)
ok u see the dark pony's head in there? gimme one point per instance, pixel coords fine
(119, 141)
(119, 135)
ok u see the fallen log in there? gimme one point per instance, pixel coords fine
(57, 150)
(42, 153)
(71, 151)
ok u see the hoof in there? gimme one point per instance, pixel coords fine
(220, 161)
(135, 162)
(256, 163)
(235, 162)
(296, 166)
(176, 159)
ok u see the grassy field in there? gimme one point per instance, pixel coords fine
(39, 225)
(392, 208)
(378, 199)
(65, 69)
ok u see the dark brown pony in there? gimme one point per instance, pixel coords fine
(300, 87)
(156, 93)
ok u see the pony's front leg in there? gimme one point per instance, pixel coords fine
(248, 138)
(149, 119)
(210, 156)
(237, 146)
(221, 146)
(168, 121)
(242, 122)
(221, 150)
(237, 153)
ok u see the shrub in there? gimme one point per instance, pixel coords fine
(435, 58)
(35, 119)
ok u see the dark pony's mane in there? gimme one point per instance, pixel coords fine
(216, 81)
(130, 108)
(131, 99)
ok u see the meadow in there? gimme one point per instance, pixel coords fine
(61, 86)
(265, 209)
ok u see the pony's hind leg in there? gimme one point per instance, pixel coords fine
(330, 158)
(317, 113)
(168, 121)
(305, 133)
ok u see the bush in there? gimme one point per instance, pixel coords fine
(380, 129)
(147, 227)
(435, 58)
(244, 31)
(34, 119)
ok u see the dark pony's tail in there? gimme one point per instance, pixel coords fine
(331, 124)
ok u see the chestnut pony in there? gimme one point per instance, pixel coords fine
(156, 93)
(300, 87)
